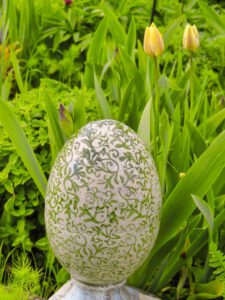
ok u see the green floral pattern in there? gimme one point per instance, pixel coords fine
(102, 204)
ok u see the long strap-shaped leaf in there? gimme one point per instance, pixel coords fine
(18, 137)
(103, 104)
(198, 180)
(197, 244)
(56, 137)
(179, 205)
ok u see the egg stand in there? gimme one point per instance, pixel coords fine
(74, 290)
(92, 289)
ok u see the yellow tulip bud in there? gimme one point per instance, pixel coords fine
(190, 38)
(153, 41)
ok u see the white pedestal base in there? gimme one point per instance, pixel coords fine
(74, 290)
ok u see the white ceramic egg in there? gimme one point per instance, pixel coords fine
(103, 203)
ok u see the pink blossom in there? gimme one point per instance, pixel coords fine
(68, 2)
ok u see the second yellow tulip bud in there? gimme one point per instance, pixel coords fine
(190, 38)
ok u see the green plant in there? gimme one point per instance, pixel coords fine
(22, 209)
(190, 151)
(23, 282)
(217, 262)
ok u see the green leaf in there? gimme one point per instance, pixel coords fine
(165, 134)
(214, 121)
(94, 54)
(132, 72)
(8, 185)
(217, 261)
(214, 287)
(115, 27)
(9, 205)
(21, 225)
(56, 137)
(62, 276)
(42, 244)
(124, 103)
(16, 68)
(196, 245)
(17, 135)
(176, 138)
(213, 18)
(103, 104)
(66, 121)
(206, 210)
(198, 180)
(144, 125)
(176, 23)
(171, 258)
(79, 112)
(197, 140)
(131, 39)
(202, 296)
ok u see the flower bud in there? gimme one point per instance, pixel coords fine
(153, 41)
(66, 120)
(68, 2)
(190, 38)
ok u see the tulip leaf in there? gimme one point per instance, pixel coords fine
(115, 27)
(212, 17)
(196, 245)
(214, 121)
(197, 180)
(179, 203)
(144, 125)
(206, 210)
(131, 39)
(125, 100)
(103, 104)
(172, 27)
(57, 139)
(95, 52)
(16, 69)
(197, 140)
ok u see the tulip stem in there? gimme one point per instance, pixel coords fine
(155, 106)
(191, 86)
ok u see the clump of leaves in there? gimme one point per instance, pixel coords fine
(22, 205)
(216, 287)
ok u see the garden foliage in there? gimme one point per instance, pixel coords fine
(63, 65)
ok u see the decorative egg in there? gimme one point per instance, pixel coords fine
(103, 203)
